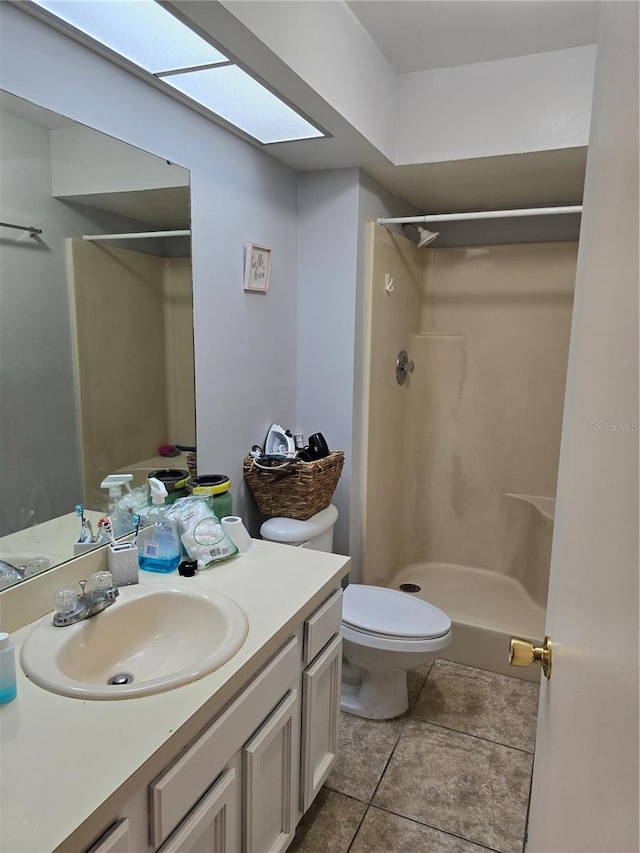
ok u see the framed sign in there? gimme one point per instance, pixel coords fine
(257, 268)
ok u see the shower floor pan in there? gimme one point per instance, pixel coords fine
(486, 609)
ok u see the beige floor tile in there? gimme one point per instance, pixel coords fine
(365, 747)
(480, 703)
(460, 784)
(383, 832)
(329, 825)
(415, 683)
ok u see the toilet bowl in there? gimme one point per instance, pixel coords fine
(385, 634)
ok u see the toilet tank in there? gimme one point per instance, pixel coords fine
(315, 533)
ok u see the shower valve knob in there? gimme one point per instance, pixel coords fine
(403, 367)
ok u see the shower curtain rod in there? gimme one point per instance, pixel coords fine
(480, 214)
(136, 235)
(32, 231)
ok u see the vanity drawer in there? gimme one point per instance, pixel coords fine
(174, 792)
(321, 626)
(115, 840)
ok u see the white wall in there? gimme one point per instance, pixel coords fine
(510, 106)
(334, 209)
(36, 370)
(76, 150)
(37, 402)
(245, 344)
(326, 318)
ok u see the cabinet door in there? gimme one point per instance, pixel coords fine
(270, 768)
(320, 719)
(213, 826)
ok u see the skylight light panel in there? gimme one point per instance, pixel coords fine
(140, 31)
(239, 99)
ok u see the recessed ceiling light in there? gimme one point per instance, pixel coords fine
(146, 35)
(239, 99)
(140, 30)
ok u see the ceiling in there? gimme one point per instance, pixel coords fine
(413, 36)
(421, 35)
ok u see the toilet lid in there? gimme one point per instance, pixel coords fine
(391, 613)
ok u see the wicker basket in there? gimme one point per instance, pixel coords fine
(299, 490)
(192, 463)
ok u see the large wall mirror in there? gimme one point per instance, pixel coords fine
(96, 335)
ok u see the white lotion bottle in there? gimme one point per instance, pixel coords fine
(8, 687)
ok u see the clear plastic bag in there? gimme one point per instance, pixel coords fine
(200, 530)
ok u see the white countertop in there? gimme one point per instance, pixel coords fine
(63, 757)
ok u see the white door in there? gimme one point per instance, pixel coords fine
(585, 782)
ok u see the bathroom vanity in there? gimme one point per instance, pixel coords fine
(229, 762)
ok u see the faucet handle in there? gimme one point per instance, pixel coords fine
(100, 580)
(64, 600)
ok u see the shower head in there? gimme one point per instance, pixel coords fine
(425, 236)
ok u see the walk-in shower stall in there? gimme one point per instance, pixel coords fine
(461, 453)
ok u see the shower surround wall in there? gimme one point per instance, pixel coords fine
(462, 459)
(133, 353)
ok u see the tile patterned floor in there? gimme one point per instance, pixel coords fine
(451, 776)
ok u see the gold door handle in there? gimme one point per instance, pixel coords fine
(524, 653)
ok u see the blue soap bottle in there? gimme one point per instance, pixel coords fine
(161, 550)
(8, 687)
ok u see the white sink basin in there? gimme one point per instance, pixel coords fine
(162, 635)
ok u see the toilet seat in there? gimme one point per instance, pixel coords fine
(391, 615)
(394, 644)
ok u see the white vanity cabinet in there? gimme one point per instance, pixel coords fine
(243, 783)
(241, 740)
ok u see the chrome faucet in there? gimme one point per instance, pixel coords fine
(71, 608)
(11, 572)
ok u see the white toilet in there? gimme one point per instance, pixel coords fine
(315, 533)
(385, 632)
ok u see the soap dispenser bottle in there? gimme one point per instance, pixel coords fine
(8, 688)
(161, 550)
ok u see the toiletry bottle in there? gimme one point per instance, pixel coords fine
(161, 550)
(8, 688)
(121, 521)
